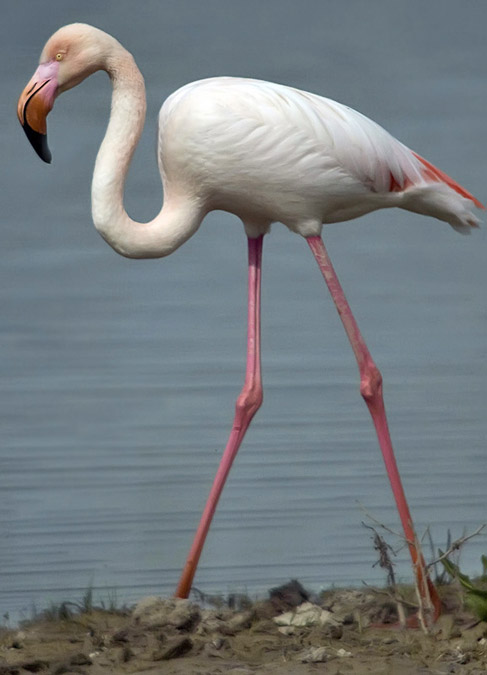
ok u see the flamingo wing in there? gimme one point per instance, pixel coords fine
(294, 155)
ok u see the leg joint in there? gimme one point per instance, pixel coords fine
(249, 401)
(370, 382)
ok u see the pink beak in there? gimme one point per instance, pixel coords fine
(34, 105)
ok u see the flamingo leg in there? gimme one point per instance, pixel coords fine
(248, 402)
(371, 391)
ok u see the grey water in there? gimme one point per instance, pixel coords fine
(118, 377)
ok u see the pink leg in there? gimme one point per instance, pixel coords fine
(248, 402)
(371, 390)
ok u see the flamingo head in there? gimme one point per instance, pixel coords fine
(73, 53)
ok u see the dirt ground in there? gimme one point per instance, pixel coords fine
(341, 632)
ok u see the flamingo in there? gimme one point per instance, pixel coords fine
(266, 153)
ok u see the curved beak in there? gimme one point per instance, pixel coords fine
(34, 105)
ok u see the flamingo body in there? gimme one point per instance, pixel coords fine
(267, 153)
(264, 152)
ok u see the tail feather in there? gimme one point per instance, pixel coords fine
(439, 175)
(437, 199)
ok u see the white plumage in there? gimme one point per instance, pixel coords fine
(268, 152)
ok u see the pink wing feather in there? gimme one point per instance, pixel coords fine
(435, 174)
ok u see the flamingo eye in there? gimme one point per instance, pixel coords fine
(59, 56)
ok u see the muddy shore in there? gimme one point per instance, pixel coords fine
(340, 632)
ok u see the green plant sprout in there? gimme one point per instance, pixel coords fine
(475, 595)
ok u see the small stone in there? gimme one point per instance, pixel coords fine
(80, 660)
(236, 623)
(218, 643)
(121, 635)
(306, 614)
(209, 624)
(342, 653)
(314, 655)
(174, 649)
(176, 612)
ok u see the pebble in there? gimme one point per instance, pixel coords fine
(306, 614)
(314, 655)
(237, 623)
(156, 612)
(173, 649)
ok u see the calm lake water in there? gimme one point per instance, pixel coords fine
(118, 378)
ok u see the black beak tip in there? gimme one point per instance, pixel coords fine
(38, 142)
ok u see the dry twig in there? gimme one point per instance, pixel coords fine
(456, 545)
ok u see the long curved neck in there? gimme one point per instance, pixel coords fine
(180, 216)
